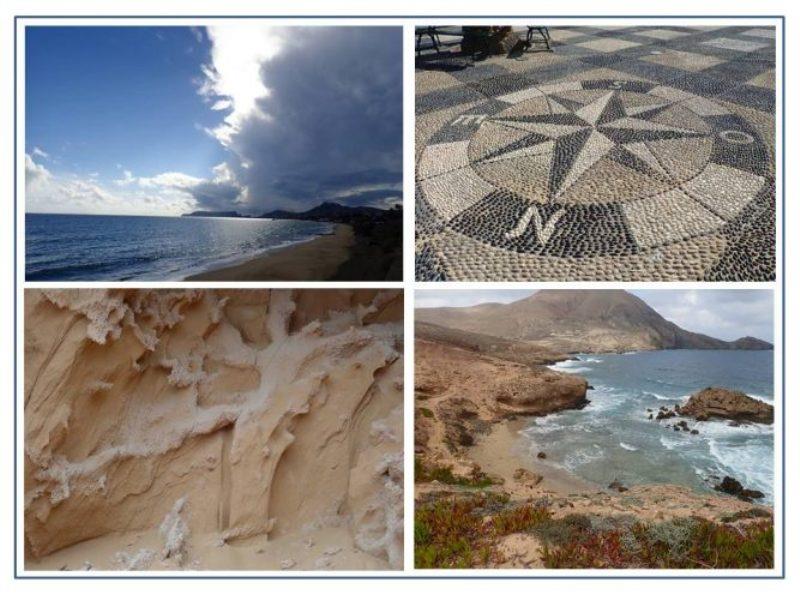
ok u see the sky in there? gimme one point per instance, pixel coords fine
(239, 116)
(723, 314)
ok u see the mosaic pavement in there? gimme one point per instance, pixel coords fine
(642, 154)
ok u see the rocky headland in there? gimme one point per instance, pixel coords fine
(461, 394)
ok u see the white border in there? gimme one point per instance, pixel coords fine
(409, 285)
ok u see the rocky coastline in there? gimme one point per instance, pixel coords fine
(517, 511)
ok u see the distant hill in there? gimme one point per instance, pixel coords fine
(580, 321)
(213, 213)
(750, 343)
(327, 211)
(331, 211)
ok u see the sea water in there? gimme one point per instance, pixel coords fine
(122, 248)
(612, 437)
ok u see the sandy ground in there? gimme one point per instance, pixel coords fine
(315, 260)
(321, 549)
(505, 449)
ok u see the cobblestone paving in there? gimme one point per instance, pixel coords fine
(642, 154)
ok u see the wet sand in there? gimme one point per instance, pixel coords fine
(504, 450)
(315, 260)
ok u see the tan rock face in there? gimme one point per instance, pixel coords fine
(548, 392)
(238, 413)
(719, 403)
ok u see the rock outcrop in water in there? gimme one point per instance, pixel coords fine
(731, 486)
(719, 403)
(213, 429)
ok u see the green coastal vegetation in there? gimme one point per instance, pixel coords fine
(463, 532)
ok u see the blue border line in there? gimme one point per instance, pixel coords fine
(443, 575)
(428, 17)
(14, 378)
(783, 292)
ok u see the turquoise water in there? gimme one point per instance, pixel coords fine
(121, 248)
(612, 437)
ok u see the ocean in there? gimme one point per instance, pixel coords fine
(122, 248)
(612, 438)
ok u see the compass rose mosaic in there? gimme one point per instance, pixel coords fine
(603, 174)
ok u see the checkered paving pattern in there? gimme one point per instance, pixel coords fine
(628, 154)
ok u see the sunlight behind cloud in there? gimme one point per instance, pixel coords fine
(294, 117)
(233, 78)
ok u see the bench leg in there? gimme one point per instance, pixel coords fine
(434, 40)
(546, 36)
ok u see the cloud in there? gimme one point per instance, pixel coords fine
(45, 192)
(165, 194)
(127, 178)
(35, 174)
(233, 77)
(306, 115)
(215, 195)
(218, 193)
(197, 32)
(171, 179)
(724, 314)
(314, 114)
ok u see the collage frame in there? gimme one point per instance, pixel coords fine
(409, 286)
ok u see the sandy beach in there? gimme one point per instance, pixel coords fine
(504, 450)
(314, 260)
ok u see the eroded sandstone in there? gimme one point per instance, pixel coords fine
(242, 420)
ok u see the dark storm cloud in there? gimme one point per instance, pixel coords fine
(377, 187)
(331, 126)
(213, 195)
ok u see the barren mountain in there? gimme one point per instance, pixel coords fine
(580, 321)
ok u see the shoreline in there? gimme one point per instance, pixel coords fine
(503, 450)
(317, 259)
(486, 495)
(500, 453)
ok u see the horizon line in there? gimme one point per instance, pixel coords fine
(241, 216)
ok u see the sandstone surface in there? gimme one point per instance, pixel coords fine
(169, 429)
